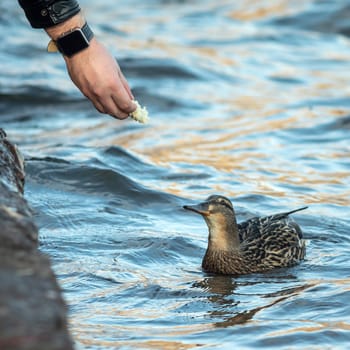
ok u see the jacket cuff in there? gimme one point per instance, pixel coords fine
(47, 13)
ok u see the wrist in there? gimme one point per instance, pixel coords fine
(58, 30)
(85, 52)
(70, 37)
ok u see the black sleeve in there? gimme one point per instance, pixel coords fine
(47, 13)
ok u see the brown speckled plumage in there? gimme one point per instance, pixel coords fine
(256, 245)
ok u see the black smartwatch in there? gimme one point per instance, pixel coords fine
(75, 40)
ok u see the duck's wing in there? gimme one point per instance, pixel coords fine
(253, 228)
(249, 229)
(279, 244)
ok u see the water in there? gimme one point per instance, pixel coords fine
(249, 99)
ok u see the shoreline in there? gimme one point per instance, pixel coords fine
(33, 313)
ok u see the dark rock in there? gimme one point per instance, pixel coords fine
(32, 311)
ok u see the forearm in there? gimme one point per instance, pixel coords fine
(48, 13)
(91, 67)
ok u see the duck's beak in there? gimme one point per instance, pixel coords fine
(201, 208)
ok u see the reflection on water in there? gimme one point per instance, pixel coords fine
(249, 99)
(230, 312)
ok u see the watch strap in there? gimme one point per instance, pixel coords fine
(87, 32)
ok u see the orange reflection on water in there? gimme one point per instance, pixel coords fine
(258, 10)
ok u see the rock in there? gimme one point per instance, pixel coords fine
(32, 310)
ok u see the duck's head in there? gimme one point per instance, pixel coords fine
(213, 207)
(219, 215)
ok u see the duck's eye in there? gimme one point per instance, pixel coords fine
(224, 203)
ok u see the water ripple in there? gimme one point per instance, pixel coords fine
(247, 99)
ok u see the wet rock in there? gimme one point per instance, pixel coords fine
(32, 311)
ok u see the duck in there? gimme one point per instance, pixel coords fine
(257, 245)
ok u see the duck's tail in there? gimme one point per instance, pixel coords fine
(284, 215)
(295, 210)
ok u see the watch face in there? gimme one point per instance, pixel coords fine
(73, 42)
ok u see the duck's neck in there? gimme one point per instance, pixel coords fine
(223, 234)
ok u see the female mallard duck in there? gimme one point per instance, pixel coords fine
(256, 245)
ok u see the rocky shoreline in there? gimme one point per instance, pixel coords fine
(32, 310)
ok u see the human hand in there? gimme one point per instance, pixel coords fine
(97, 75)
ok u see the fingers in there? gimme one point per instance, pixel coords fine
(108, 106)
(116, 98)
(123, 108)
(98, 76)
(117, 105)
(126, 85)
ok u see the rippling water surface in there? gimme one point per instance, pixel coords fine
(249, 99)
